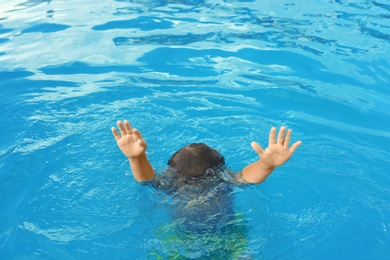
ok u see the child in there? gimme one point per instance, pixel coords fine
(201, 187)
(196, 161)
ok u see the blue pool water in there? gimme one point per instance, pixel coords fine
(219, 72)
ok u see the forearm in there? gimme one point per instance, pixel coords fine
(256, 172)
(141, 168)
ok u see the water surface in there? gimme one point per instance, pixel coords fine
(219, 72)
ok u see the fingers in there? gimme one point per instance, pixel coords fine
(115, 133)
(281, 135)
(121, 127)
(141, 142)
(295, 146)
(125, 127)
(257, 148)
(288, 137)
(137, 134)
(272, 136)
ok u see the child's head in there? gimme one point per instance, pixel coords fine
(196, 160)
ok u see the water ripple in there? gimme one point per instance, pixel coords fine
(219, 72)
(46, 28)
(144, 23)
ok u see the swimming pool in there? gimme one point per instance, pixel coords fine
(219, 72)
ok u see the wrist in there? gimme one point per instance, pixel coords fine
(266, 166)
(137, 157)
(257, 172)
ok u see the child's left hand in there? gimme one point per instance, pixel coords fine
(277, 152)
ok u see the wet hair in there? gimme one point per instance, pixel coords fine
(196, 160)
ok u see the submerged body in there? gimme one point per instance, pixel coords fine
(202, 190)
(201, 206)
(203, 223)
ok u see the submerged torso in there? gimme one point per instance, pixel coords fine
(203, 218)
(202, 206)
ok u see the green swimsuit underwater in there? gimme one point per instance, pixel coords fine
(204, 223)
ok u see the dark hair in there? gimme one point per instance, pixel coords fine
(195, 160)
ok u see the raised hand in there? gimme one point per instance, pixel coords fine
(130, 140)
(277, 152)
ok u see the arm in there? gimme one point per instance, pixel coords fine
(133, 146)
(276, 154)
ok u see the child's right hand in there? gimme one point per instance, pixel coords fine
(276, 154)
(130, 140)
